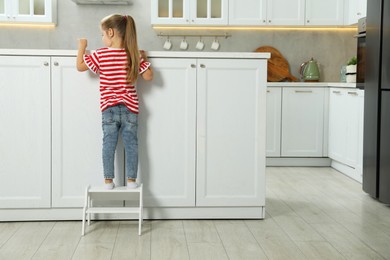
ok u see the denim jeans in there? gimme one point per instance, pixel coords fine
(118, 119)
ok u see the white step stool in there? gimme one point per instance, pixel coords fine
(119, 193)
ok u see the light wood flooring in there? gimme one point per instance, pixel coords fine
(312, 213)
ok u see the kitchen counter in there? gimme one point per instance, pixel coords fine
(151, 54)
(312, 84)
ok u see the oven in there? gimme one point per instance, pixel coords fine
(361, 53)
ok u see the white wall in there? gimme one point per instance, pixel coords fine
(330, 48)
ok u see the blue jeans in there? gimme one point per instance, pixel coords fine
(115, 119)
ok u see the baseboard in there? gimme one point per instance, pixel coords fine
(347, 170)
(284, 161)
(57, 214)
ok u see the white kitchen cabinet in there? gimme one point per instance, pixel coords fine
(25, 136)
(217, 108)
(77, 134)
(354, 10)
(231, 103)
(346, 128)
(201, 131)
(263, 12)
(28, 11)
(167, 133)
(273, 123)
(247, 12)
(302, 122)
(189, 12)
(320, 12)
(286, 12)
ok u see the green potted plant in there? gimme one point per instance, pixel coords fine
(351, 65)
(351, 70)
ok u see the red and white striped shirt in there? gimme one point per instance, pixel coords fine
(111, 64)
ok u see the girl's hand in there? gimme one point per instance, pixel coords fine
(143, 55)
(83, 43)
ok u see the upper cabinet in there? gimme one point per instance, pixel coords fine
(248, 12)
(190, 12)
(354, 10)
(254, 12)
(28, 11)
(263, 12)
(320, 12)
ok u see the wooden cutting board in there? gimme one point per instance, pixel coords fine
(278, 68)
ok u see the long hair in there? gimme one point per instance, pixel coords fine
(125, 26)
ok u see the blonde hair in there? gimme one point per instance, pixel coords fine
(125, 26)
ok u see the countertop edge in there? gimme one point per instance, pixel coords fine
(312, 84)
(151, 54)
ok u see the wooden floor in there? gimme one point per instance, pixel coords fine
(312, 213)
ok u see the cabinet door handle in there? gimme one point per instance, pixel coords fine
(303, 91)
(352, 93)
(202, 66)
(56, 63)
(268, 91)
(193, 66)
(336, 92)
(46, 63)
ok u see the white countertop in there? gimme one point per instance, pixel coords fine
(311, 84)
(151, 54)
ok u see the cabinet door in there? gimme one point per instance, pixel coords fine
(167, 133)
(25, 133)
(170, 12)
(273, 123)
(247, 12)
(302, 122)
(354, 10)
(231, 132)
(359, 163)
(320, 12)
(352, 120)
(77, 134)
(210, 12)
(337, 124)
(286, 12)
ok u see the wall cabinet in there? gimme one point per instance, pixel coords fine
(346, 128)
(251, 12)
(354, 10)
(302, 122)
(28, 11)
(189, 12)
(25, 136)
(216, 135)
(263, 12)
(319, 12)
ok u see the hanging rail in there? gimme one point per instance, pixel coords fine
(225, 35)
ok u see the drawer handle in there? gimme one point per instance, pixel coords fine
(303, 91)
(336, 92)
(268, 91)
(352, 93)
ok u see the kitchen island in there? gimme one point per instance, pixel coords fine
(201, 136)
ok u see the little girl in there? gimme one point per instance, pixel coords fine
(118, 65)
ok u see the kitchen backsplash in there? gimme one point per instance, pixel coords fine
(330, 48)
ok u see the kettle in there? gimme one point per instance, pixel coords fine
(309, 71)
